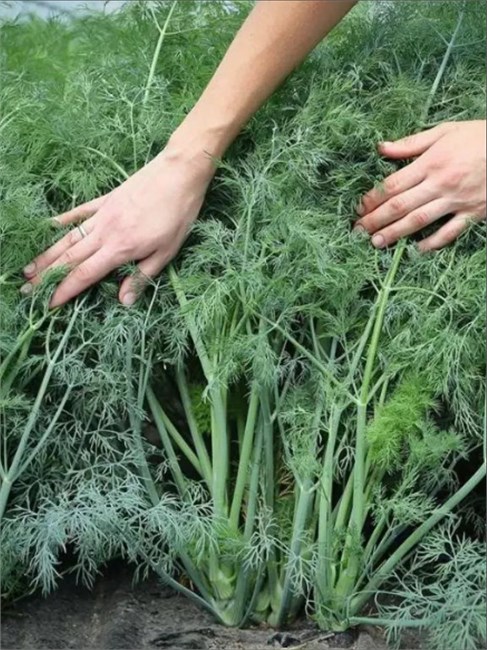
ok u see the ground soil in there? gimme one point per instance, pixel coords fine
(116, 615)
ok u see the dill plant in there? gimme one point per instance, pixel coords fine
(311, 398)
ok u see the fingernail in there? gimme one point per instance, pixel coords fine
(359, 209)
(55, 222)
(385, 144)
(129, 299)
(26, 289)
(378, 241)
(30, 269)
(359, 228)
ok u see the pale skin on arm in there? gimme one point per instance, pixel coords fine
(128, 223)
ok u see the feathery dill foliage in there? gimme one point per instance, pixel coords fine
(311, 398)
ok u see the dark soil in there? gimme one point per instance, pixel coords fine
(116, 615)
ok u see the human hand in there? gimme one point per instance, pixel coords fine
(145, 219)
(447, 177)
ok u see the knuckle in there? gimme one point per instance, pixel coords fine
(398, 204)
(367, 224)
(391, 184)
(420, 219)
(67, 259)
(410, 140)
(367, 203)
(82, 273)
(72, 237)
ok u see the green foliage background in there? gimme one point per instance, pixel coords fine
(273, 246)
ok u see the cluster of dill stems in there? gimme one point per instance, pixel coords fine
(288, 419)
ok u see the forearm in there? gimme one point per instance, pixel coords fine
(271, 43)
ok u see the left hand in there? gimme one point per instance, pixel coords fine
(447, 177)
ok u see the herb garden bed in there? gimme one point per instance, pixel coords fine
(117, 615)
(289, 423)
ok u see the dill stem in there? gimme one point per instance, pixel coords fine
(199, 444)
(26, 337)
(243, 578)
(220, 451)
(118, 167)
(357, 516)
(136, 439)
(7, 379)
(301, 513)
(388, 567)
(157, 51)
(342, 508)
(359, 466)
(11, 472)
(323, 573)
(442, 68)
(47, 432)
(244, 459)
(156, 409)
(350, 560)
(219, 438)
(180, 441)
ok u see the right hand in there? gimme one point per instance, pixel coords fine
(145, 219)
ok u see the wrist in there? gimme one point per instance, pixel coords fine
(189, 155)
(206, 135)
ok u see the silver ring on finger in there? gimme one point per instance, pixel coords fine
(82, 231)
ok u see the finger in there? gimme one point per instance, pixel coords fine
(85, 248)
(397, 207)
(49, 256)
(414, 145)
(133, 286)
(393, 185)
(80, 212)
(411, 223)
(92, 270)
(446, 234)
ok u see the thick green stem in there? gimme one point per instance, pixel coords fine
(245, 453)
(324, 579)
(199, 443)
(220, 448)
(350, 561)
(300, 521)
(242, 608)
(360, 447)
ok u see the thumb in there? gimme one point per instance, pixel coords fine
(413, 145)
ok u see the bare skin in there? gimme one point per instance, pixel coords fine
(128, 224)
(446, 177)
